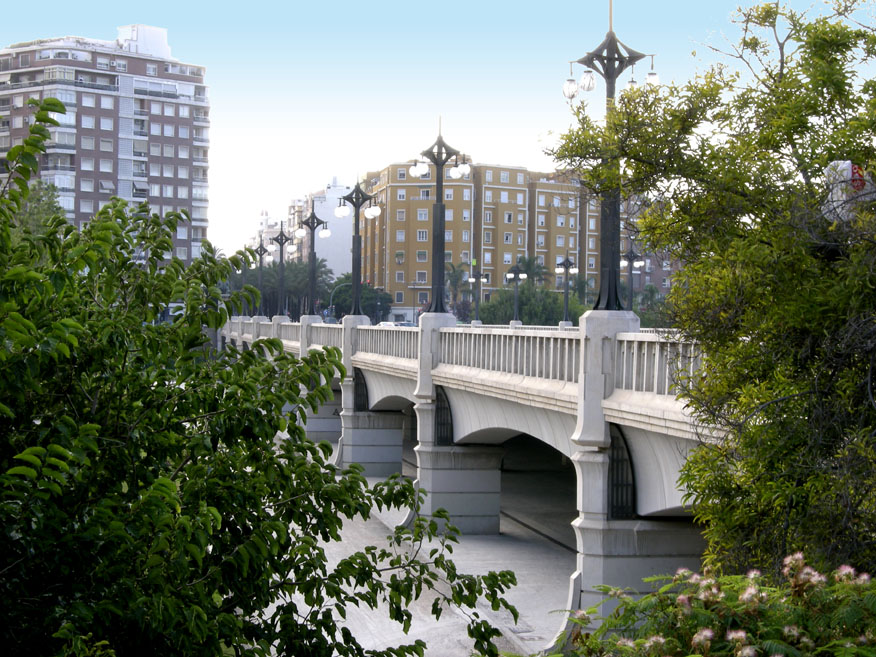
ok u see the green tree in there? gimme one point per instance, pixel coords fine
(779, 275)
(368, 301)
(455, 277)
(535, 271)
(296, 276)
(148, 504)
(537, 307)
(39, 208)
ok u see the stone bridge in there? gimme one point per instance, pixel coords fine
(600, 396)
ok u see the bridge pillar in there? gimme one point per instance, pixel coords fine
(463, 479)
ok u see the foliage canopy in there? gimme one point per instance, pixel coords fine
(158, 497)
(779, 277)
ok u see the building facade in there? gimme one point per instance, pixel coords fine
(136, 126)
(337, 249)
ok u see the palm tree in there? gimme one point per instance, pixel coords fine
(535, 271)
(455, 277)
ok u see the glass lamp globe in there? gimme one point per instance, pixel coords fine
(570, 88)
(342, 211)
(325, 232)
(465, 169)
(300, 232)
(573, 270)
(653, 78)
(558, 270)
(523, 276)
(587, 81)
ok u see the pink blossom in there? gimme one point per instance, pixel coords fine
(702, 637)
(737, 635)
(655, 641)
(753, 573)
(749, 594)
(626, 643)
(791, 631)
(844, 573)
(747, 651)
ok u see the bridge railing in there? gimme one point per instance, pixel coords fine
(553, 355)
(397, 342)
(653, 361)
(327, 335)
(290, 332)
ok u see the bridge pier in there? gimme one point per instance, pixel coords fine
(621, 552)
(373, 439)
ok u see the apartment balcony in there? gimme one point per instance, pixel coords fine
(154, 92)
(140, 154)
(201, 140)
(60, 147)
(200, 180)
(141, 133)
(141, 112)
(140, 174)
(201, 120)
(56, 167)
(73, 83)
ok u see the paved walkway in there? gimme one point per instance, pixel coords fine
(536, 541)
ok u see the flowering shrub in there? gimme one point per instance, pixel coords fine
(739, 616)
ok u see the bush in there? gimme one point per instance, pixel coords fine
(809, 613)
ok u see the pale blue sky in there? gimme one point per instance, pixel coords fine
(303, 92)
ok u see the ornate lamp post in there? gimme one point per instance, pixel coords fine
(260, 252)
(281, 239)
(357, 198)
(566, 268)
(631, 260)
(439, 154)
(477, 279)
(312, 223)
(516, 274)
(610, 59)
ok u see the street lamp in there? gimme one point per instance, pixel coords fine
(260, 252)
(477, 278)
(566, 268)
(516, 274)
(631, 260)
(610, 59)
(357, 198)
(312, 222)
(281, 238)
(439, 154)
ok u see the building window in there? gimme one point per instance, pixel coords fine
(168, 130)
(464, 257)
(151, 69)
(666, 265)
(182, 232)
(167, 150)
(448, 214)
(571, 222)
(509, 218)
(399, 297)
(399, 257)
(488, 257)
(182, 172)
(571, 241)
(399, 236)
(561, 240)
(402, 174)
(539, 240)
(541, 220)
(561, 221)
(488, 217)
(107, 186)
(466, 194)
(503, 176)
(399, 277)
(556, 201)
(488, 196)
(421, 256)
(184, 111)
(488, 176)
(422, 298)
(448, 194)
(591, 263)
(506, 258)
(182, 192)
(591, 224)
(154, 190)
(106, 145)
(183, 152)
(507, 238)
(488, 237)
(666, 282)
(87, 143)
(519, 178)
(421, 277)
(466, 215)
(422, 235)
(182, 252)
(400, 195)
(88, 122)
(86, 185)
(422, 215)
(425, 194)
(167, 170)
(168, 109)
(520, 239)
(541, 200)
(106, 166)
(87, 100)
(106, 102)
(167, 191)
(571, 202)
(86, 205)
(503, 197)
(591, 243)
(399, 215)
(448, 235)
(519, 198)
(86, 164)
(466, 237)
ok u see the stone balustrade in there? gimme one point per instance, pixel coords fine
(652, 361)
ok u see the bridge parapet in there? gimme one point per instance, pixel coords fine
(653, 361)
(327, 335)
(552, 355)
(395, 342)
